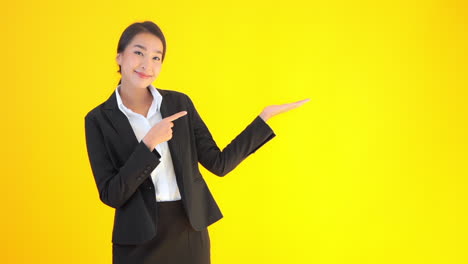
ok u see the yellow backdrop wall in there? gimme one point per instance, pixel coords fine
(372, 170)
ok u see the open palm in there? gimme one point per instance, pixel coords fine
(272, 110)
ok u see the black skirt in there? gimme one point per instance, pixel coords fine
(176, 242)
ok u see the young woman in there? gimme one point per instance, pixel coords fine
(144, 145)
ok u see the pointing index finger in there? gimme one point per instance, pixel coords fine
(176, 116)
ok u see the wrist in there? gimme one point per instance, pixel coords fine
(147, 145)
(264, 116)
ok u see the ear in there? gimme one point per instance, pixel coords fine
(118, 59)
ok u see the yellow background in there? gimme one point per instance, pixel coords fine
(372, 170)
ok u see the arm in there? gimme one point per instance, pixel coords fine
(255, 135)
(117, 185)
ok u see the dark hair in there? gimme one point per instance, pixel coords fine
(136, 28)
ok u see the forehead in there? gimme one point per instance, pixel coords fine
(148, 42)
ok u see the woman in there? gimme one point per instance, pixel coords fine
(144, 145)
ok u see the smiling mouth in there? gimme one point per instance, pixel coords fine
(142, 75)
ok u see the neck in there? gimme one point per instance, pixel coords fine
(133, 97)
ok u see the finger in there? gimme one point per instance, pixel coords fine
(304, 101)
(296, 104)
(287, 107)
(176, 116)
(301, 102)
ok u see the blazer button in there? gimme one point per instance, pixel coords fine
(145, 171)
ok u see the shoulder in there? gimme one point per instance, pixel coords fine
(94, 113)
(172, 93)
(98, 111)
(175, 96)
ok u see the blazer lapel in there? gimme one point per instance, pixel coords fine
(167, 109)
(120, 123)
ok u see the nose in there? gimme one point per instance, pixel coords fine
(146, 63)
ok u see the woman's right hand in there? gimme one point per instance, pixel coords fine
(162, 131)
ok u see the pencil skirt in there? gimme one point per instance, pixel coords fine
(176, 242)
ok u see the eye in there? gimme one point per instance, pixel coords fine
(157, 58)
(138, 53)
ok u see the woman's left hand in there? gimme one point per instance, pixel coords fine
(272, 110)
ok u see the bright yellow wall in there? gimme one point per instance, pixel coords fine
(372, 170)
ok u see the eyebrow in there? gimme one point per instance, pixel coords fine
(143, 48)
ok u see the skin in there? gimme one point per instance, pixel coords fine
(140, 66)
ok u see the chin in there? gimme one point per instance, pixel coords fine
(142, 83)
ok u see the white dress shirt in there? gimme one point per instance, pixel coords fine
(163, 175)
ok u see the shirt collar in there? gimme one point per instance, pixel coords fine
(155, 105)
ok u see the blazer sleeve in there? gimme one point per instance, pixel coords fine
(117, 185)
(255, 135)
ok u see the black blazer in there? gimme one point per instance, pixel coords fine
(121, 165)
